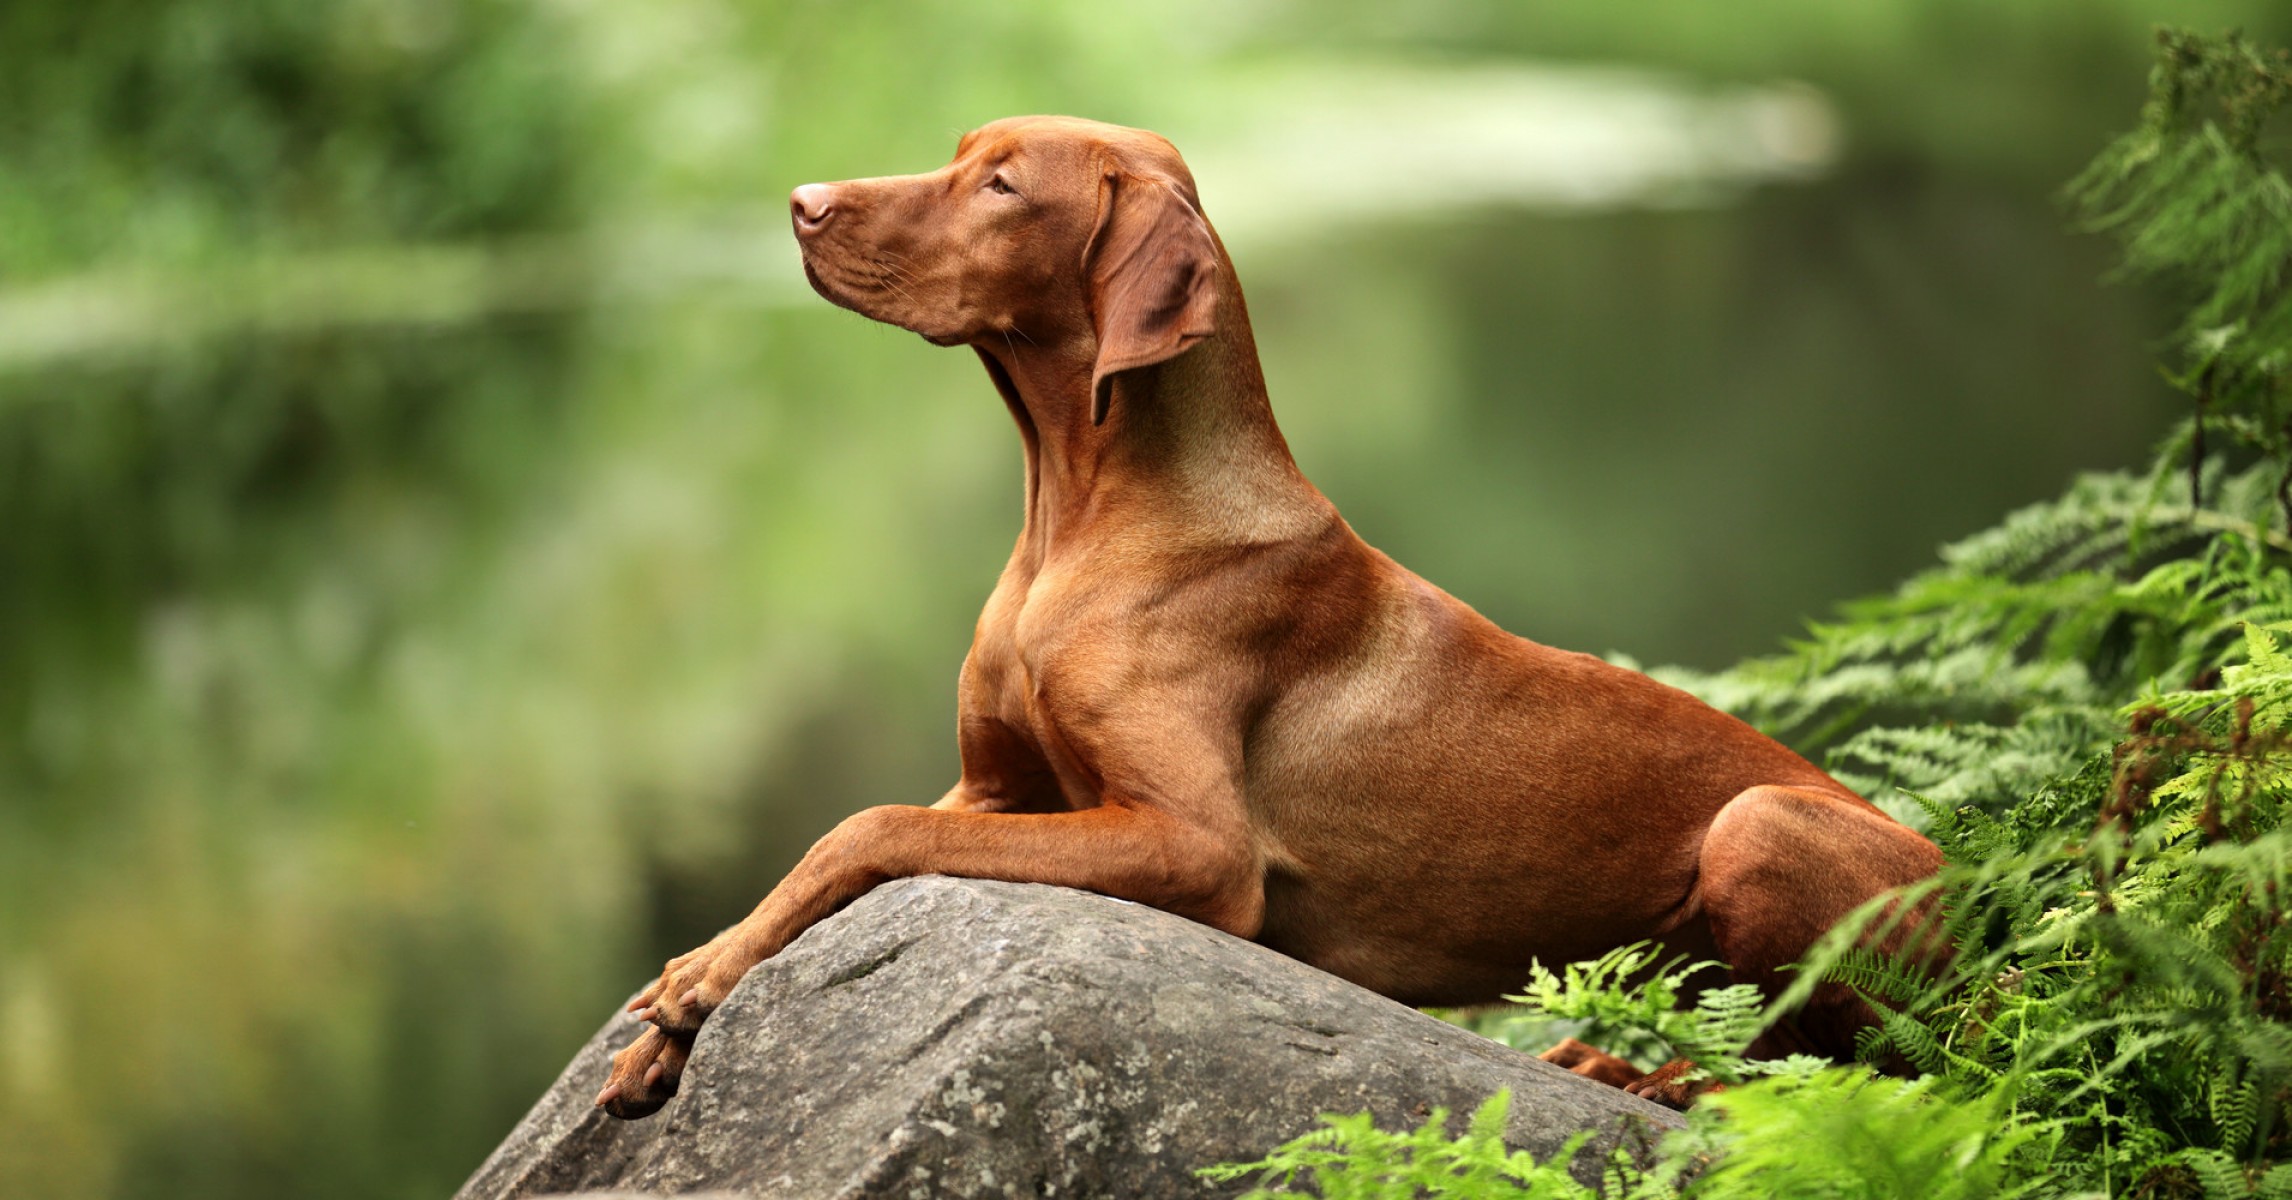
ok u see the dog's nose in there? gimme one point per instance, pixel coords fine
(811, 205)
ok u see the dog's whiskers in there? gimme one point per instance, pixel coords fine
(893, 284)
(894, 275)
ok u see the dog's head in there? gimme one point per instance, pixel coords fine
(1042, 231)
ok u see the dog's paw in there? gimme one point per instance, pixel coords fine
(1669, 1086)
(1592, 1063)
(644, 1075)
(692, 985)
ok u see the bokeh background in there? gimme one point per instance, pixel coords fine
(449, 561)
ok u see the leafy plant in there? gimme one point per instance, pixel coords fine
(2193, 196)
(1349, 1158)
(1633, 1008)
(1845, 1134)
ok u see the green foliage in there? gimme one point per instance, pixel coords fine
(1349, 1158)
(1626, 1004)
(179, 130)
(2195, 198)
(2004, 667)
(1844, 1133)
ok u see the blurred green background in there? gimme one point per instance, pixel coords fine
(449, 561)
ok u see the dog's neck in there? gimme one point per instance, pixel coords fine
(1189, 445)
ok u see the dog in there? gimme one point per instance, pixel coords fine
(1194, 687)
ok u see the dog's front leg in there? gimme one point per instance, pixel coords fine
(1190, 864)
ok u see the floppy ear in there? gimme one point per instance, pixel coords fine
(1153, 269)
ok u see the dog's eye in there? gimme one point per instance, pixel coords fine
(1000, 186)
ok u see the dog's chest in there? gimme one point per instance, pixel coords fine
(1004, 674)
(1053, 663)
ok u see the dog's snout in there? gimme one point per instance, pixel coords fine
(811, 205)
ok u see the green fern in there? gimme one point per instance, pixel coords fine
(1349, 1158)
(2193, 197)
(1847, 1133)
(1629, 1006)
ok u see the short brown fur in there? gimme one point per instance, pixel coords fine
(1194, 687)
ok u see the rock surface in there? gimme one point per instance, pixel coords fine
(946, 1037)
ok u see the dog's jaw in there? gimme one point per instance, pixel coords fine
(841, 298)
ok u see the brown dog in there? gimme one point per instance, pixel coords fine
(1195, 688)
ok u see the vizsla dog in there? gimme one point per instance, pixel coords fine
(1194, 687)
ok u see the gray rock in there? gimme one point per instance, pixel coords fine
(947, 1037)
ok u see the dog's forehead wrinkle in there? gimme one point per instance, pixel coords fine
(1120, 141)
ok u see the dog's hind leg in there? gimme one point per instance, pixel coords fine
(1778, 868)
(1593, 1063)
